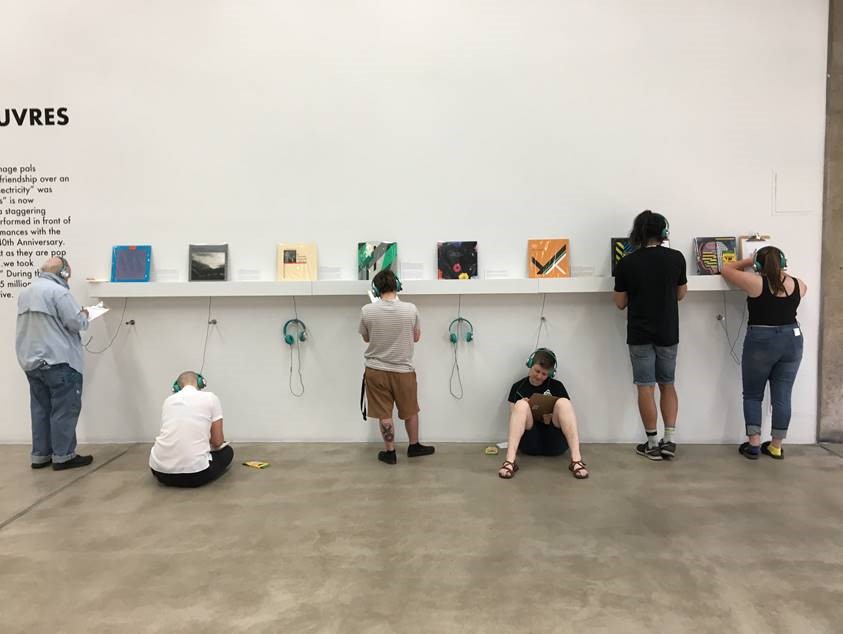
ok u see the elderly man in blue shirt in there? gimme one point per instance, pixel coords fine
(49, 350)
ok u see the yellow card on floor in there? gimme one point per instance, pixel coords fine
(256, 464)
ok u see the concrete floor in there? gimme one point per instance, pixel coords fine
(329, 540)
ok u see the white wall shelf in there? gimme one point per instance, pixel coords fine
(197, 289)
(358, 287)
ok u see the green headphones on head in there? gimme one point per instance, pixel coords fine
(454, 330)
(201, 384)
(758, 265)
(552, 372)
(290, 339)
(398, 288)
(665, 232)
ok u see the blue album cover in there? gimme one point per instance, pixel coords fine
(131, 263)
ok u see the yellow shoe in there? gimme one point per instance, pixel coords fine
(768, 450)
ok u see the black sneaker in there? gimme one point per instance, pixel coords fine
(41, 465)
(765, 449)
(388, 457)
(667, 449)
(644, 449)
(749, 452)
(414, 451)
(75, 461)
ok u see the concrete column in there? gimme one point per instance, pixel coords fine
(831, 350)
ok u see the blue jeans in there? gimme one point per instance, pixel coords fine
(770, 353)
(55, 400)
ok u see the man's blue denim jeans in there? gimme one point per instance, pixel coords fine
(55, 400)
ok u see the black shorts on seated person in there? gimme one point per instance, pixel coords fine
(543, 440)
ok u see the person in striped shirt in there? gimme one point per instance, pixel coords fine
(391, 327)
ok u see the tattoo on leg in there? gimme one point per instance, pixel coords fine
(387, 431)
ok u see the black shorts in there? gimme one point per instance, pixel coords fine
(543, 440)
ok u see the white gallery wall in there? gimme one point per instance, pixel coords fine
(340, 121)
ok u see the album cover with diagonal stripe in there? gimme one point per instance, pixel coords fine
(711, 253)
(374, 257)
(549, 257)
(620, 247)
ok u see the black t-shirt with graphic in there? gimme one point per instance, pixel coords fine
(650, 277)
(525, 389)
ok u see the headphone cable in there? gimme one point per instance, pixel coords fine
(455, 368)
(724, 323)
(114, 336)
(542, 323)
(297, 345)
(207, 333)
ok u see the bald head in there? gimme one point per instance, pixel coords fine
(188, 378)
(54, 265)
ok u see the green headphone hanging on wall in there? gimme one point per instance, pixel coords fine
(454, 329)
(289, 338)
(201, 383)
(552, 372)
(398, 288)
(758, 265)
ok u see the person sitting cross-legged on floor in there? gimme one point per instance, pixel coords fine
(190, 450)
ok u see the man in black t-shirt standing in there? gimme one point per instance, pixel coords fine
(537, 433)
(649, 283)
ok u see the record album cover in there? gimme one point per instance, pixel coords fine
(131, 263)
(456, 260)
(208, 262)
(711, 253)
(296, 262)
(373, 257)
(549, 257)
(620, 247)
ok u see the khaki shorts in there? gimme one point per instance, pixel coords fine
(383, 389)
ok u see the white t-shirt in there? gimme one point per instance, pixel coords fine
(184, 443)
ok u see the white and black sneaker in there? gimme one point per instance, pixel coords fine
(644, 449)
(667, 449)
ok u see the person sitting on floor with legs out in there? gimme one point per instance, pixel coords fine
(190, 450)
(541, 434)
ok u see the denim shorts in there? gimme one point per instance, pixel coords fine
(653, 364)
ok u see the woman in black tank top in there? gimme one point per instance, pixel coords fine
(772, 348)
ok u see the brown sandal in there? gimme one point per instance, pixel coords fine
(576, 468)
(509, 467)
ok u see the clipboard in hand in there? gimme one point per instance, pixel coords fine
(542, 404)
